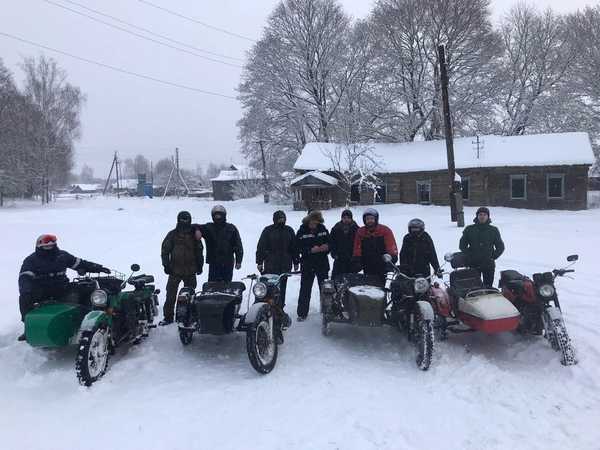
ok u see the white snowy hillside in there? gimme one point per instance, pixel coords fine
(358, 389)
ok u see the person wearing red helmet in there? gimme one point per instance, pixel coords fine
(371, 242)
(43, 274)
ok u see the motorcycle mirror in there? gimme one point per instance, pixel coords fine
(135, 267)
(448, 257)
(387, 258)
(572, 258)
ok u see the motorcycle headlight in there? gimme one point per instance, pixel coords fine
(99, 298)
(546, 290)
(259, 290)
(421, 285)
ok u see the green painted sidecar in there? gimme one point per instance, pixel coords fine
(54, 324)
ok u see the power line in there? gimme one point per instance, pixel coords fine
(141, 35)
(199, 22)
(146, 30)
(117, 69)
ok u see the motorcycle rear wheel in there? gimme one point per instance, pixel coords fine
(261, 345)
(93, 355)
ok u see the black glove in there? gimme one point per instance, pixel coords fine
(199, 272)
(167, 270)
(439, 272)
(105, 270)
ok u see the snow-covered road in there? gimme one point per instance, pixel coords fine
(358, 389)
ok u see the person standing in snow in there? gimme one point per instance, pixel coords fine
(418, 254)
(342, 245)
(483, 245)
(371, 242)
(43, 274)
(276, 250)
(224, 249)
(312, 240)
(182, 258)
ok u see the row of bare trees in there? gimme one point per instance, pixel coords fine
(38, 126)
(318, 76)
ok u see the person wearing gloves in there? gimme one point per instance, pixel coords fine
(483, 245)
(182, 258)
(418, 255)
(43, 274)
(371, 242)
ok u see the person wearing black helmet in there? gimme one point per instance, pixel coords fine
(483, 245)
(224, 249)
(371, 242)
(43, 274)
(182, 257)
(418, 254)
(276, 250)
(342, 245)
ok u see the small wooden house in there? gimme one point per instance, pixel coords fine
(547, 171)
(223, 186)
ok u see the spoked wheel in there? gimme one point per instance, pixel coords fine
(423, 337)
(260, 342)
(93, 355)
(556, 332)
(186, 336)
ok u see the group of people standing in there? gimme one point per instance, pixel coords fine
(353, 248)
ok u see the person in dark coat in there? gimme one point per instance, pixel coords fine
(418, 254)
(43, 274)
(483, 245)
(182, 258)
(371, 242)
(342, 245)
(276, 250)
(313, 245)
(224, 249)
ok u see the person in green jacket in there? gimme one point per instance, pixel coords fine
(482, 244)
(182, 256)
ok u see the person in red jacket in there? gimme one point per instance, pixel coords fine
(371, 242)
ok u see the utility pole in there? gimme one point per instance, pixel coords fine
(114, 166)
(456, 215)
(478, 143)
(175, 170)
(264, 173)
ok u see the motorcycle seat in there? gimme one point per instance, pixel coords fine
(236, 288)
(464, 280)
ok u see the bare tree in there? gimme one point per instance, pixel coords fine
(87, 174)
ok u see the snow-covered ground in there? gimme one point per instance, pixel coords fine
(358, 389)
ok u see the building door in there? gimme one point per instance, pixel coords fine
(424, 192)
(380, 194)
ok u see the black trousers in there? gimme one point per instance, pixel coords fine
(306, 283)
(172, 288)
(342, 266)
(220, 272)
(487, 273)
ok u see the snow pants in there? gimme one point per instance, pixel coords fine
(172, 288)
(306, 283)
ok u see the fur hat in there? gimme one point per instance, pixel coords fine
(315, 215)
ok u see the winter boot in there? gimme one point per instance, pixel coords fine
(21, 338)
(165, 322)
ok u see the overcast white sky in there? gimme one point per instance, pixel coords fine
(132, 115)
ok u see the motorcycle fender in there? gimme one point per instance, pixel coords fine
(253, 313)
(554, 313)
(426, 310)
(93, 318)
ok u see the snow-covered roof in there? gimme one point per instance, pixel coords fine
(86, 186)
(240, 172)
(497, 151)
(328, 179)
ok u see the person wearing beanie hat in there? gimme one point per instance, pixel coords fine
(342, 245)
(312, 241)
(276, 250)
(482, 244)
(182, 257)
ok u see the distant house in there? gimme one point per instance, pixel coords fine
(224, 184)
(547, 171)
(83, 188)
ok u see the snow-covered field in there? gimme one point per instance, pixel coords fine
(358, 389)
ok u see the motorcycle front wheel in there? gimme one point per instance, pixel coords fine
(260, 342)
(423, 339)
(556, 332)
(93, 354)
(186, 336)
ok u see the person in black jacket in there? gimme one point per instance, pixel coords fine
(418, 251)
(182, 257)
(342, 245)
(43, 274)
(276, 250)
(224, 249)
(313, 245)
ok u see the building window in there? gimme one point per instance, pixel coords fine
(355, 193)
(465, 184)
(518, 187)
(380, 194)
(424, 191)
(555, 185)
